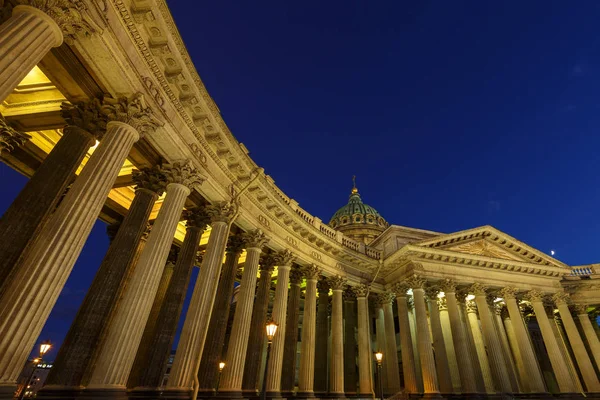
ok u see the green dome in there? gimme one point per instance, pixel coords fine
(357, 213)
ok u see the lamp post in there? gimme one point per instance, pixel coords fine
(379, 361)
(271, 329)
(221, 366)
(44, 347)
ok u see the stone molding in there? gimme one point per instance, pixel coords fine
(153, 179)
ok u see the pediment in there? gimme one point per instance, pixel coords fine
(484, 248)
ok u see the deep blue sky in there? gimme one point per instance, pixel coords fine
(452, 115)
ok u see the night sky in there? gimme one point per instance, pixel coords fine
(452, 115)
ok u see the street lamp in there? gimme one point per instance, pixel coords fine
(379, 361)
(271, 330)
(221, 366)
(44, 347)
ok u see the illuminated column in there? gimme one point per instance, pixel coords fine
(290, 348)
(535, 381)
(307, 350)
(473, 321)
(258, 336)
(581, 355)
(390, 361)
(193, 334)
(449, 344)
(349, 341)
(80, 344)
(231, 380)
(322, 338)
(123, 337)
(208, 373)
(495, 310)
(59, 243)
(336, 376)
(283, 261)
(38, 199)
(365, 377)
(514, 346)
(430, 382)
(491, 340)
(463, 358)
(589, 332)
(406, 350)
(439, 347)
(161, 339)
(557, 360)
(461, 298)
(381, 341)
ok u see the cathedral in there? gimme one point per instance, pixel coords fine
(104, 112)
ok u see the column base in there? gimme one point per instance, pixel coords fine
(534, 396)
(432, 396)
(287, 394)
(274, 395)
(117, 393)
(251, 394)
(206, 393)
(7, 392)
(305, 395)
(233, 394)
(336, 395)
(54, 392)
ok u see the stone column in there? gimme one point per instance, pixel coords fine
(495, 310)
(10, 138)
(559, 365)
(449, 344)
(307, 351)
(257, 338)
(160, 341)
(581, 355)
(441, 359)
(191, 342)
(491, 340)
(231, 380)
(535, 380)
(459, 338)
(514, 346)
(80, 344)
(336, 376)
(213, 353)
(365, 377)
(390, 362)
(381, 341)
(588, 330)
(430, 381)
(473, 321)
(349, 341)
(461, 298)
(290, 348)
(123, 337)
(31, 209)
(43, 271)
(284, 261)
(322, 338)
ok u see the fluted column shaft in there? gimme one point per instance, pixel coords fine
(492, 342)
(307, 351)
(449, 344)
(336, 376)
(34, 204)
(279, 313)
(322, 339)
(215, 339)
(463, 358)
(477, 372)
(581, 355)
(480, 348)
(191, 343)
(441, 358)
(24, 40)
(590, 334)
(535, 381)
(559, 365)
(516, 352)
(159, 347)
(391, 362)
(380, 338)
(127, 327)
(509, 361)
(84, 334)
(290, 348)
(365, 377)
(430, 381)
(257, 339)
(231, 380)
(349, 342)
(42, 273)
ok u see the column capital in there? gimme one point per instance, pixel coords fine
(337, 282)
(349, 294)
(255, 239)
(416, 282)
(431, 291)
(86, 115)
(196, 218)
(534, 295)
(311, 272)
(267, 263)
(442, 304)
(461, 295)
(133, 111)
(222, 211)
(323, 285)
(71, 16)
(561, 298)
(448, 285)
(284, 258)
(296, 276)
(385, 298)
(153, 179)
(361, 290)
(182, 173)
(478, 289)
(10, 138)
(471, 306)
(508, 293)
(580, 309)
(400, 289)
(235, 244)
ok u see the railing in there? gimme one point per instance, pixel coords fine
(305, 216)
(582, 271)
(351, 244)
(371, 252)
(328, 231)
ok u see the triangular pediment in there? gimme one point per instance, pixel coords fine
(484, 248)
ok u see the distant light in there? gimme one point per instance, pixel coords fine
(498, 299)
(552, 252)
(441, 294)
(470, 297)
